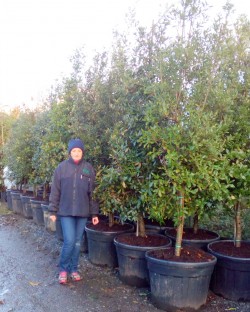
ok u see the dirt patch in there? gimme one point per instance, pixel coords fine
(4, 210)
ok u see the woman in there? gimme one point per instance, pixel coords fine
(71, 199)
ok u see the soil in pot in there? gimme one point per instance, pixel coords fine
(131, 256)
(199, 240)
(188, 254)
(100, 238)
(231, 275)
(228, 248)
(182, 282)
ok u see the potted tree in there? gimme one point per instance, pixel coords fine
(101, 248)
(185, 172)
(232, 271)
(50, 134)
(185, 134)
(17, 149)
(130, 169)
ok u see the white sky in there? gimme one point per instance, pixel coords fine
(38, 37)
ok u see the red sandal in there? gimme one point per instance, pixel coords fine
(63, 277)
(75, 276)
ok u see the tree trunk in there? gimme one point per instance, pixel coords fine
(237, 224)
(111, 219)
(140, 226)
(45, 190)
(195, 225)
(35, 190)
(180, 226)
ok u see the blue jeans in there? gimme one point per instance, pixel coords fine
(73, 230)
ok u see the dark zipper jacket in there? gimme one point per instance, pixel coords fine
(72, 189)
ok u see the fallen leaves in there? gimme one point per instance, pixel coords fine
(34, 283)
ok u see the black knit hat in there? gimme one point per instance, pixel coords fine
(75, 143)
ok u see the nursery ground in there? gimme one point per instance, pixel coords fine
(28, 277)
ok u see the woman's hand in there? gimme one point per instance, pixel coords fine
(53, 218)
(95, 220)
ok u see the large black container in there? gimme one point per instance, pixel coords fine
(59, 235)
(179, 285)
(155, 227)
(231, 275)
(37, 211)
(59, 232)
(27, 210)
(16, 202)
(101, 248)
(50, 226)
(9, 199)
(132, 264)
(3, 196)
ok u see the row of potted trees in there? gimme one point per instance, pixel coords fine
(133, 188)
(143, 256)
(118, 245)
(31, 205)
(150, 260)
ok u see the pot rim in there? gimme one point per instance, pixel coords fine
(107, 232)
(179, 263)
(134, 247)
(221, 255)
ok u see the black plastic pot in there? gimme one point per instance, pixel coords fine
(9, 199)
(59, 232)
(59, 235)
(231, 275)
(27, 210)
(198, 243)
(179, 285)
(50, 226)
(37, 211)
(132, 264)
(101, 248)
(154, 227)
(3, 196)
(16, 202)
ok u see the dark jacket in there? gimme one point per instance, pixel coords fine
(72, 188)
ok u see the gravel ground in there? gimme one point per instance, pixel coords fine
(100, 285)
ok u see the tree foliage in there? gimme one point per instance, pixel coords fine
(164, 115)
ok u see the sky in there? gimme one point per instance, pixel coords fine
(38, 38)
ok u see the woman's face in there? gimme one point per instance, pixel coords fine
(76, 154)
